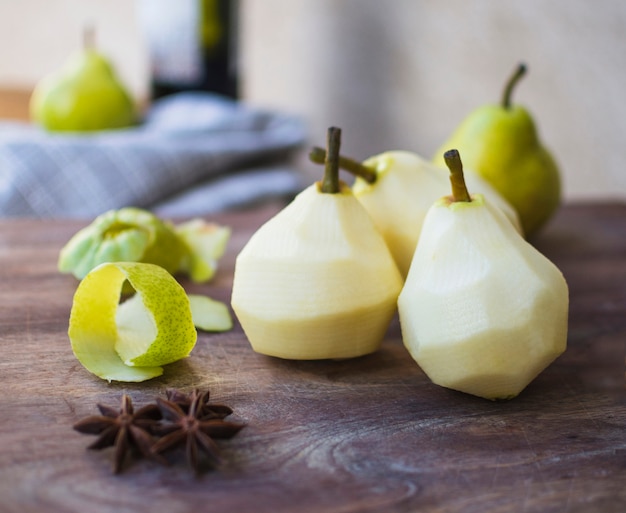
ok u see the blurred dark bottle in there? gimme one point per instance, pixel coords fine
(192, 45)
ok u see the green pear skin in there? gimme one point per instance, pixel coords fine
(501, 143)
(84, 95)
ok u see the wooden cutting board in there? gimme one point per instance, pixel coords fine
(370, 434)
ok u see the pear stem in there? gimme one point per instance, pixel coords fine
(519, 72)
(457, 179)
(89, 37)
(318, 156)
(330, 182)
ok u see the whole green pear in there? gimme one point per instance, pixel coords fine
(501, 143)
(85, 94)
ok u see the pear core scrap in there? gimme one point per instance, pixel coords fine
(125, 235)
(405, 188)
(316, 281)
(482, 311)
(132, 234)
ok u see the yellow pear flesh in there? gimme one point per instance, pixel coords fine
(317, 281)
(406, 186)
(481, 311)
(84, 95)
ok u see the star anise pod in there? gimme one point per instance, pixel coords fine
(124, 429)
(206, 410)
(186, 426)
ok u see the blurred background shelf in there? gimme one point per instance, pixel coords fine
(14, 103)
(401, 77)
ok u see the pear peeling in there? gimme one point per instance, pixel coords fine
(130, 341)
(481, 311)
(132, 234)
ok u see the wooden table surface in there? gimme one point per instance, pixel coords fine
(370, 434)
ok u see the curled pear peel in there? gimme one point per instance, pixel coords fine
(135, 235)
(317, 280)
(481, 311)
(132, 340)
(501, 143)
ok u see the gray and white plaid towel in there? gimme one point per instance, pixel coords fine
(189, 143)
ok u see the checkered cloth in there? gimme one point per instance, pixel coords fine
(215, 150)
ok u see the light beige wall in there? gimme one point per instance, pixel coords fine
(394, 74)
(400, 74)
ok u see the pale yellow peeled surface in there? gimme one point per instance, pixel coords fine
(405, 188)
(317, 281)
(132, 340)
(481, 311)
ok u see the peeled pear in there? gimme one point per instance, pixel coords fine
(317, 281)
(397, 188)
(85, 94)
(481, 311)
(406, 186)
(501, 143)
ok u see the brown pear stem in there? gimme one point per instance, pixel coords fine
(519, 72)
(89, 37)
(330, 182)
(318, 156)
(457, 180)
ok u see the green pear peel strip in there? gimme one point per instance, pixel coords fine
(209, 314)
(207, 243)
(107, 341)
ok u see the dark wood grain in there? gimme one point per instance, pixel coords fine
(364, 435)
